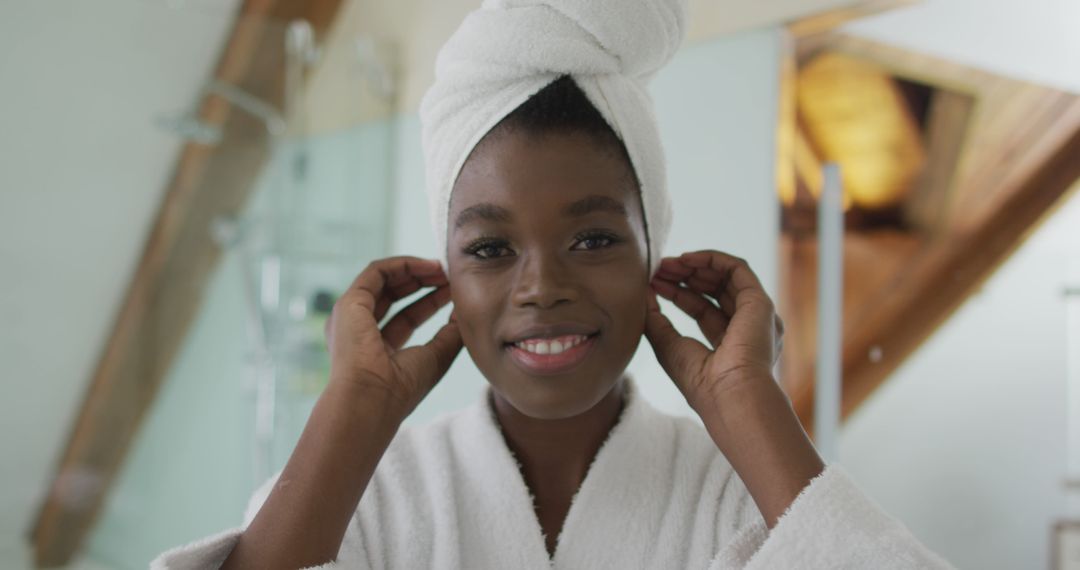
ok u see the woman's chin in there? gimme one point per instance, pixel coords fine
(551, 398)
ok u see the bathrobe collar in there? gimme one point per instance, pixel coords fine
(620, 481)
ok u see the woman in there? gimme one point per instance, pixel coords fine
(546, 179)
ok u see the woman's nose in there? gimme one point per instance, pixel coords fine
(543, 282)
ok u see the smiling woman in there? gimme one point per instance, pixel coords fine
(548, 245)
(546, 178)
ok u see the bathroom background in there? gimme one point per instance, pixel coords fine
(186, 185)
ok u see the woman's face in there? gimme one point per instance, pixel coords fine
(548, 269)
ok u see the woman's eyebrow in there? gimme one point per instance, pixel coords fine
(595, 203)
(483, 211)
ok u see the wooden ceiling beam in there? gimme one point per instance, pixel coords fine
(891, 325)
(1010, 165)
(872, 260)
(837, 16)
(177, 262)
(947, 126)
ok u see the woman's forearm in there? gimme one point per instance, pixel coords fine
(757, 430)
(303, 521)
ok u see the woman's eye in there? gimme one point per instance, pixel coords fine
(487, 249)
(594, 241)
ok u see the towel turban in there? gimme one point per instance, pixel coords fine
(507, 50)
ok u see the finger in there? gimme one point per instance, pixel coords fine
(433, 359)
(403, 288)
(779, 338)
(673, 269)
(705, 280)
(681, 357)
(710, 320)
(676, 267)
(736, 271)
(402, 326)
(753, 319)
(388, 280)
(406, 284)
(708, 287)
(394, 271)
(445, 345)
(738, 280)
(712, 282)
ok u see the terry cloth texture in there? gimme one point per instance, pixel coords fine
(508, 50)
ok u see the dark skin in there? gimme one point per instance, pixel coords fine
(540, 224)
(564, 241)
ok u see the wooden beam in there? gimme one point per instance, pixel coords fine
(855, 114)
(1000, 125)
(167, 288)
(1016, 159)
(947, 275)
(940, 277)
(945, 136)
(837, 16)
(872, 260)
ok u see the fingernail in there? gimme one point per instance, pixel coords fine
(663, 285)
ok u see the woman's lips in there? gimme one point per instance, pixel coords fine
(546, 364)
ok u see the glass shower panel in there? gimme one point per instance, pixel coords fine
(319, 215)
(283, 206)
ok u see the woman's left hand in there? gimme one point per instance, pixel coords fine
(731, 386)
(734, 313)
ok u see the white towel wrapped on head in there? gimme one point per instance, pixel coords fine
(508, 50)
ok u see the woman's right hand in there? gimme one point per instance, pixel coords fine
(370, 358)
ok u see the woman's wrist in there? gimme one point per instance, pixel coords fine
(304, 519)
(369, 400)
(755, 427)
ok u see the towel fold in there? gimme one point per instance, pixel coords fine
(508, 50)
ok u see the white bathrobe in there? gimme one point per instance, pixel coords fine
(449, 495)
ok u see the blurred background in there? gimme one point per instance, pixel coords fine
(187, 185)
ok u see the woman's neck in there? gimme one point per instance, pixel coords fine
(560, 451)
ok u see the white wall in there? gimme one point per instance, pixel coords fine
(82, 168)
(719, 139)
(1031, 40)
(189, 470)
(966, 442)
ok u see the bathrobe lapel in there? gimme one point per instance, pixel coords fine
(621, 501)
(502, 530)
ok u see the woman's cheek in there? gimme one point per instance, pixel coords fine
(633, 296)
(472, 308)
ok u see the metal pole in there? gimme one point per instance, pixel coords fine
(830, 313)
(1072, 390)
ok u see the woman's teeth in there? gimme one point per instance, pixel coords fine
(551, 345)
